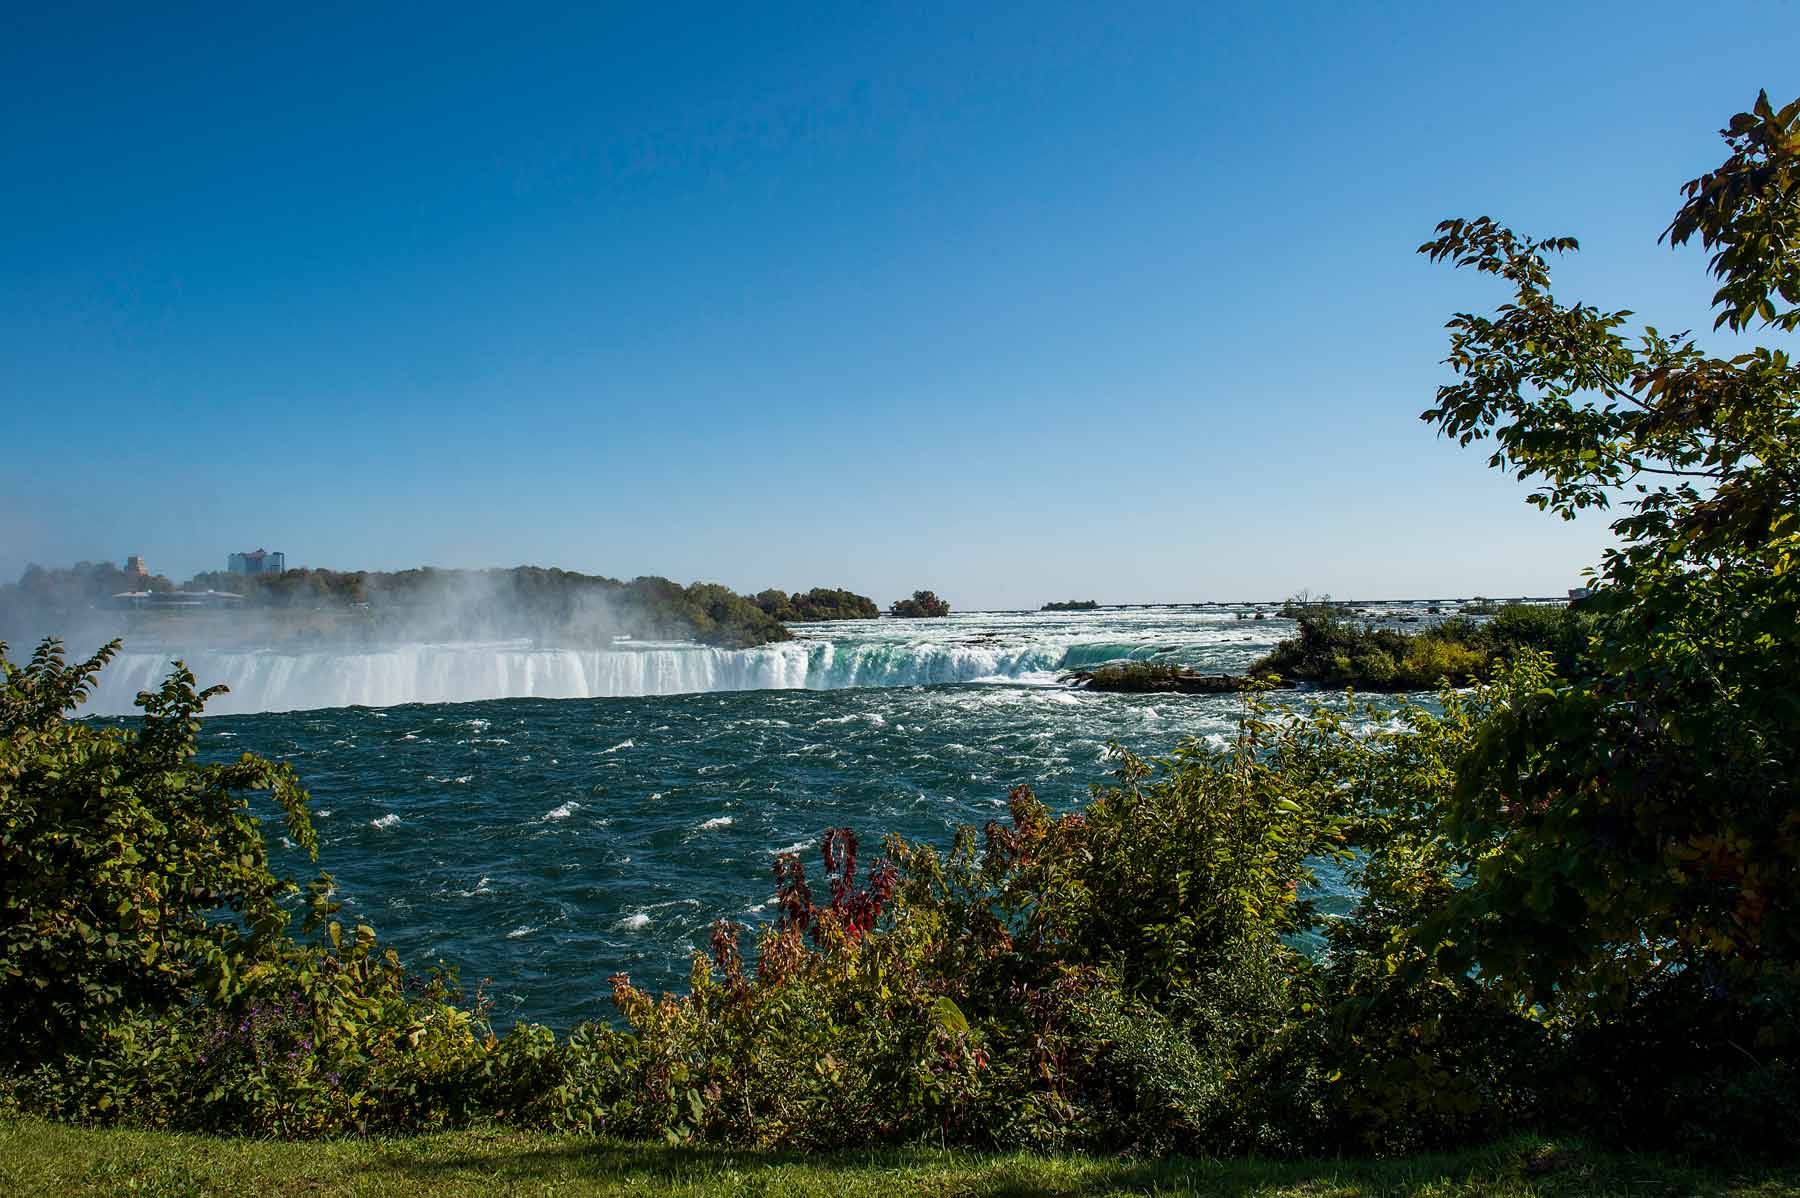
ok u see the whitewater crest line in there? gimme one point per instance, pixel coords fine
(273, 680)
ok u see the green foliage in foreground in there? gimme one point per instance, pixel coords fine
(922, 604)
(117, 849)
(61, 1162)
(1121, 978)
(1644, 817)
(1330, 649)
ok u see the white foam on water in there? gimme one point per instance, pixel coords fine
(637, 921)
(562, 812)
(389, 820)
(722, 821)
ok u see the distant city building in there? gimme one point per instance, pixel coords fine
(1577, 593)
(137, 572)
(262, 561)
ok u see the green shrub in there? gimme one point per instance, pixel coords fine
(1557, 630)
(922, 605)
(1434, 661)
(1114, 978)
(1329, 649)
(117, 855)
(146, 967)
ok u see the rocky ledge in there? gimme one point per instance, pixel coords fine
(1144, 677)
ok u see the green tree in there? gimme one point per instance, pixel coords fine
(922, 605)
(1633, 829)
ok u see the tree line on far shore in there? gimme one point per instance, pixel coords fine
(78, 603)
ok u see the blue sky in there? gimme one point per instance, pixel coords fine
(1016, 303)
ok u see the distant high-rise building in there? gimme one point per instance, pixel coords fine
(136, 572)
(261, 561)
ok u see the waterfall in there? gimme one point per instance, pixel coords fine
(284, 680)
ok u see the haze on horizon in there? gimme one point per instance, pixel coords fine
(1066, 302)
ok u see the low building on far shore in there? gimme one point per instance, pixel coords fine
(170, 600)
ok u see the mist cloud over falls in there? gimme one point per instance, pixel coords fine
(91, 603)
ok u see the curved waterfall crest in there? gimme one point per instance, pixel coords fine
(280, 680)
(1015, 647)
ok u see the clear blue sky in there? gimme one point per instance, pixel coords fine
(1017, 303)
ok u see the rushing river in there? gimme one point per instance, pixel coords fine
(499, 816)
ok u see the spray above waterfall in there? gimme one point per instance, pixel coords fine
(312, 611)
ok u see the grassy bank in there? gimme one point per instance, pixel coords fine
(48, 1160)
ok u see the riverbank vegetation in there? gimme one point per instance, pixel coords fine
(556, 606)
(1072, 605)
(1334, 650)
(922, 605)
(1576, 910)
(816, 605)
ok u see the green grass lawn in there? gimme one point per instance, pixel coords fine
(41, 1160)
